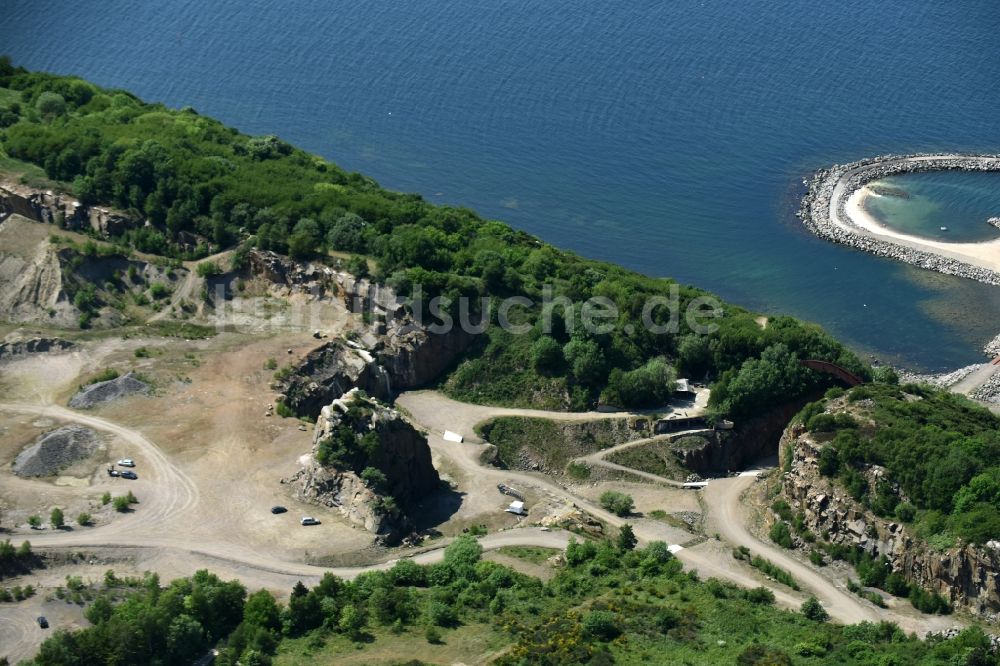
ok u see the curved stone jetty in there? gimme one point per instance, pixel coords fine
(831, 209)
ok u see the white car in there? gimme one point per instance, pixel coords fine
(126, 462)
(309, 520)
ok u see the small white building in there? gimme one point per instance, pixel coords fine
(517, 508)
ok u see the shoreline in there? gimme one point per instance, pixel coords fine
(832, 210)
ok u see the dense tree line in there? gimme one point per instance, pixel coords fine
(608, 604)
(192, 177)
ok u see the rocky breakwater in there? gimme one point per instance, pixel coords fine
(966, 574)
(63, 210)
(823, 208)
(369, 464)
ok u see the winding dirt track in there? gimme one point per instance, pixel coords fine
(600, 457)
(175, 493)
(158, 525)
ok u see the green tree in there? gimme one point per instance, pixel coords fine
(357, 266)
(351, 621)
(305, 239)
(50, 104)
(617, 503)
(56, 518)
(814, 610)
(586, 361)
(626, 538)
(185, 638)
(374, 478)
(649, 385)
(35, 522)
(547, 355)
(261, 610)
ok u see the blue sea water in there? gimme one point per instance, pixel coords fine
(948, 206)
(671, 137)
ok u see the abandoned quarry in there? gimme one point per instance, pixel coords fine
(236, 436)
(193, 390)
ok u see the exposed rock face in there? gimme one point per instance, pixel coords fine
(113, 389)
(966, 574)
(729, 450)
(402, 455)
(331, 370)
(63, 210)
(397, 354)
(34, 346)
(56, 450)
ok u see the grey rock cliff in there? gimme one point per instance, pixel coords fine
(965, 574)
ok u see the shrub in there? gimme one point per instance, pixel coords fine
(158, 290)
(35, 522)
(905, 512)
(601, 624)
(105, 498)
(121, 504)
(433, 635)
(782, 508)
(83, 519)
(208, 269)
(56, 518)
(781, 535)
(814, 610)
(617, 503)
(761, 596)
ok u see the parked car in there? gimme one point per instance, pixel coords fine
(278, 509)
(129, 475)
(42, 622)
(113, 472)
(126, 462)
(309, 520)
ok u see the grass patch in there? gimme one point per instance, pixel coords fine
(181, 329)
(533, 554)
(550, 443)
(655, 458)
(470, 643)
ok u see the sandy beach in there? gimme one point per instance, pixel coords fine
(984, 254)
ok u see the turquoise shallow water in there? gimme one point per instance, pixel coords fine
(669, 137)
(922, 203)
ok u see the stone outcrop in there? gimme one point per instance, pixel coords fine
(330, 371)
(397, 353)
(402, 455)
(34, 346)
(63, 210)
(830, 188)
(966, 574)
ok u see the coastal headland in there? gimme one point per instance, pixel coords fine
(833, 209)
